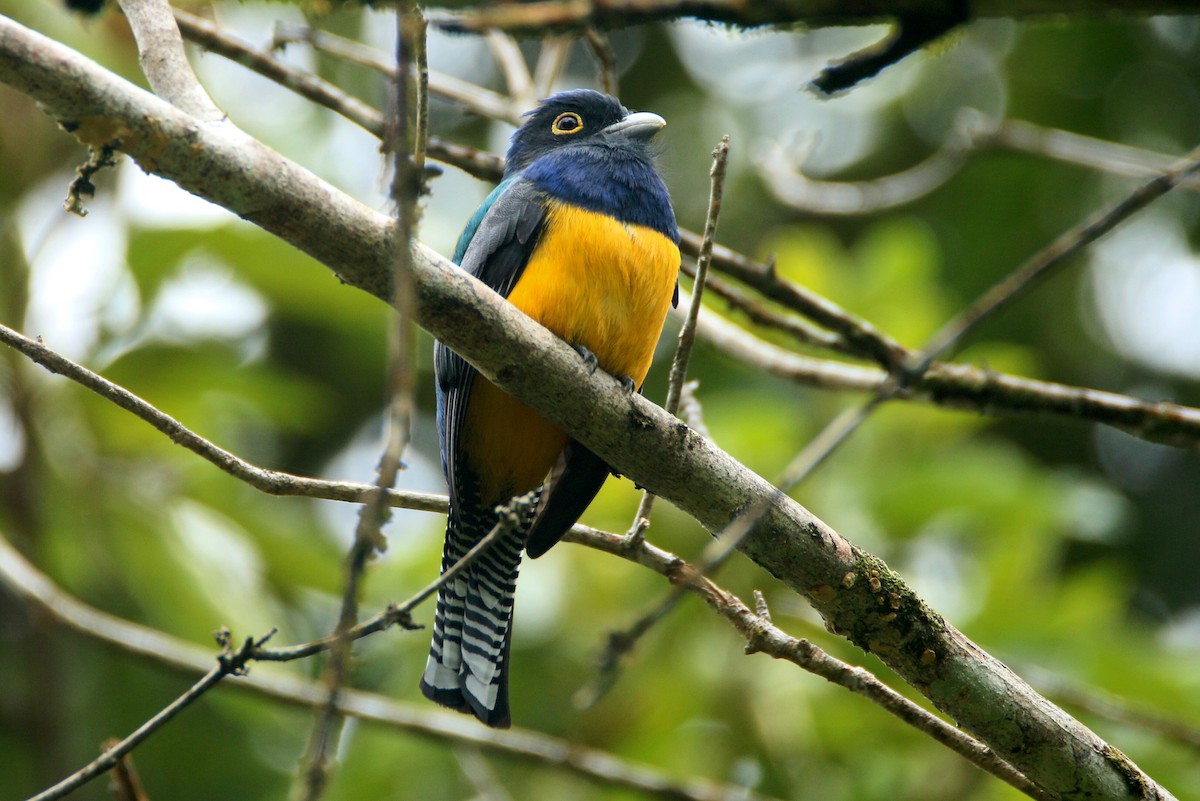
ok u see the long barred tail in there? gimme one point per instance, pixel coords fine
(467, 668)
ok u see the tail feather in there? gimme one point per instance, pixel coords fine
(467, 668)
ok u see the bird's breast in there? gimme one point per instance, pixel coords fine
(596, 282)
(602, 284)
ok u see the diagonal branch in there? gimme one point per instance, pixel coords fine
(964, 386)
(272, 482)
(1066, 245)
(230, 663)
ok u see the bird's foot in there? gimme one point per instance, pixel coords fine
(589, 359)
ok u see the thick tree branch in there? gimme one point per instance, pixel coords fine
(856, 593)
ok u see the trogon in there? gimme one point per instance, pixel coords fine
(580, 235)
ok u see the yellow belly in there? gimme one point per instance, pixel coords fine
(594, 282)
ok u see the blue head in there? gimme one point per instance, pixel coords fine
(576, 119)
(585, 148)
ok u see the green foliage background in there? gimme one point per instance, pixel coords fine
(1065, 550)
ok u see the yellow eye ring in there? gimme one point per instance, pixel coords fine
(566, 124)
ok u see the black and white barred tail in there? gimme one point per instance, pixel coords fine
(467, 668)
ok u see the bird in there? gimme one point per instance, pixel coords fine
(581, 236)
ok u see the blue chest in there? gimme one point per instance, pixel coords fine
(611, 181)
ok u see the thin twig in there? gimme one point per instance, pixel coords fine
(510, 516)
(272, 482)
(475, 98)
(704, 481)
(842, 427)
(849, 421)
(1069, 243)
(727, 541)
(1055, 254)
(1069, 147)
(972, 133)
(761, 315)
(479, 163)
(229, 663)
(964, 386)
(687, 332)
(305, 84)
(858, 334)
(792, 187)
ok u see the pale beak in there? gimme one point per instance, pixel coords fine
(638, 125)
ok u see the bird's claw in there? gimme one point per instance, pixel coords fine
(589, 359)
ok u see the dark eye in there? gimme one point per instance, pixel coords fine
(567, 123)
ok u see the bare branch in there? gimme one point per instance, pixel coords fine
(272, 482)
(210, 37)
(858, 334)
(763, 637)
(1066, 146)
(552, 60)
(475, 98)
(406, 144)
(964, 386)
(160, 51)
(762, 315)
(973, 133)
(478, 163)
(507, 53)
(229, 663)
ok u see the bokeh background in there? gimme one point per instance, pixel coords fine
(1068, 550)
